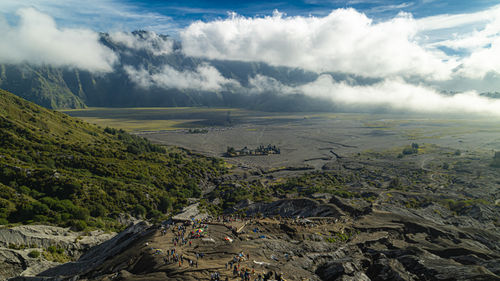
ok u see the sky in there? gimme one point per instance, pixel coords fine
(169, 16)
(416, 50)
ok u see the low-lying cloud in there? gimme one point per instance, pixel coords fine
(389, 94)
(36, 39)
(401, 96)
(205, 78)
(264, 84)
(147, 40)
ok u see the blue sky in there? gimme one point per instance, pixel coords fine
(194, 10)
(165, 16)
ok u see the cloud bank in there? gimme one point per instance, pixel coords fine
(398, 51)
(344, 41)
(401, 96)
(348, 41)
(389, 94)
(205, 78)
(36, 39)
(147, 41)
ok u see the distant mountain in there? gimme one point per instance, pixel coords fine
(493, 95)
(58, 170)
(72, 88)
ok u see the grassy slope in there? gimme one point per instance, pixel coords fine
(60, 170)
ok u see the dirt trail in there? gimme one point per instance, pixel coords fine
(432, 172)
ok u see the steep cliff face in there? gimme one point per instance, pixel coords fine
(44, 85)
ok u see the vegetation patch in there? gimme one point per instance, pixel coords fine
(456, 206)
(56, 254)
(342, 236)
(230, 194)
(496, 160)
(34, 254)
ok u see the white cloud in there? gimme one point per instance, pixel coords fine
(399, 95)
(481, 45)
(205, 78)
(349, 42)
(99, 15)
(265, 84)
(393, 93)
(147, 40)
(343, 41)
(480, 37)
(37, 39)
(482, 61)
(447, 21)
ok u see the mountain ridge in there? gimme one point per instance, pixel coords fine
(65, 87)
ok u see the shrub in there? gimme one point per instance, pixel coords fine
(52, 249)
(154, 214)
(55, 254)
(496, 160)
(139, 210)
(98, 211)
(55, 249)
(34, 254)
(110, 130)
(80, 213)
(409, 150)
(79, 225)
(165, 204)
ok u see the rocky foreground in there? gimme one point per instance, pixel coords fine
(334, 241)
(18, 242)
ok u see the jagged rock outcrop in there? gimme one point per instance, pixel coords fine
(100, 253)
(17, 242)
(43, 236)
(93, 258)
(190, 212)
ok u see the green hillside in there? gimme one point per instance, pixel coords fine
(59, 170)
(43, 85)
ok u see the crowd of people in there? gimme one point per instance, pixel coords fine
(183, 235)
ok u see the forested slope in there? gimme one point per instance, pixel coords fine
(59, 170)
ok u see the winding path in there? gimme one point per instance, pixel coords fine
(433, 173)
